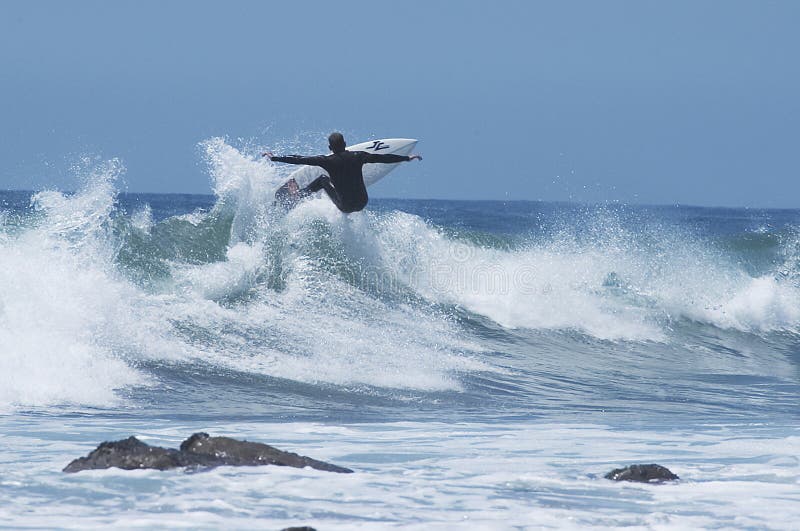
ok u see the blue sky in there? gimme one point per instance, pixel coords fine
(692, 102)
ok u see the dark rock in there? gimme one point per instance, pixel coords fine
(199, 450)
(130, 454)
(642, 473)
(302, 528)
(238, 453)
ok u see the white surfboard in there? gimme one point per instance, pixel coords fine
(372, 172)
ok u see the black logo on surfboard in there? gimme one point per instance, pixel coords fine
(378, 145)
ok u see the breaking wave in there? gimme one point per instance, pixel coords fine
(95, 296)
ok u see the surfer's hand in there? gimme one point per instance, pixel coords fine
(412, 157)
(268, 154)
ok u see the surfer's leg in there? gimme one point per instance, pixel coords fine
(317, 184)
(323, 182)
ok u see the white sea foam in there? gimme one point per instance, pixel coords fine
(219, 280)
(245, 183)
(71, 327)
(57, 298)
(609, 288)
(143, 219)
(414, 475)
(538, 288)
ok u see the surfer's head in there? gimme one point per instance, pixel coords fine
(336, 142)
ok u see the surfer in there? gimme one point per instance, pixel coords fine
(344, 183)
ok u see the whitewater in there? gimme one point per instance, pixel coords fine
(478, 364)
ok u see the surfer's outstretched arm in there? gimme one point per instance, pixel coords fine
(388, 158)
(297, 159)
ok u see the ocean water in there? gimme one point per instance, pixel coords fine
(480, 365)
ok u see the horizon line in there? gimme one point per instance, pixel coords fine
(562, 201)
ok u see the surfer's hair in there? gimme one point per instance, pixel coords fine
(336, 142)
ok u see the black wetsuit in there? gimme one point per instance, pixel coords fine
(345, 186)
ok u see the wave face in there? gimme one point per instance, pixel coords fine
(206, 305)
